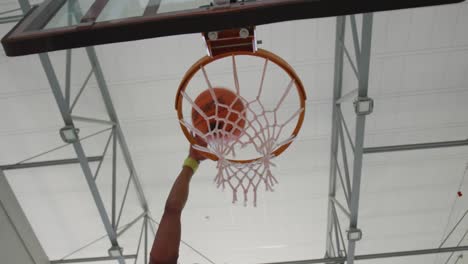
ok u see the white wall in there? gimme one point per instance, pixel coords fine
(12, 249)
(18, 243)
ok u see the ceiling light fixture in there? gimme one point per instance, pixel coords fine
(69, 134)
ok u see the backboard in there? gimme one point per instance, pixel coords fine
(64, 24)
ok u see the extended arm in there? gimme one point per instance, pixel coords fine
(166, 244)
(165, 248)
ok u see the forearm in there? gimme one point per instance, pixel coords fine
(167, 241)
(180, 190)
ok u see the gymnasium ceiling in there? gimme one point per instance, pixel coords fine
(418, 79)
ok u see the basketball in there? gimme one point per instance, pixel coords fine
(228, 117)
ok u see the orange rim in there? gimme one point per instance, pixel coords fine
(259, 53)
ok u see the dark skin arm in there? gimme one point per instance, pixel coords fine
(180, 190)
(167, 241)
(166, 244)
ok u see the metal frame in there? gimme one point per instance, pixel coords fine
(337, 260)
(152, 7)
(431, 145)
(63, 100)
(350, 185)
(342, 179)
(47, 163)
(96, 259)
(9, 16)
(10, 19)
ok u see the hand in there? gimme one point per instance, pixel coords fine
(195, 154)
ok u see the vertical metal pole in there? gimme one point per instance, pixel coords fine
(339, 231)
(68, 77)
(364, 64)
(114, 177)
(337, 91)
(344, 152)
(68, 60)
(146, 240)
(25, 5)
(337, 238)
(357, 46)
(139, 241)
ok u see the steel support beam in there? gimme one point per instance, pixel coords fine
(67, 118)
(92, 120)
(83, 86)
(342, 208)
(24, 5)
(63, 102)
(114, 179)
(357, 45)
(102, 84)
(380, 255)
(345, 126)
(10, 11)
(98, 73)
(338, 143)
(458, 244)
(337, 91)
(14, 17)
(344, 159)
(152, 7)
(432, 145)
(364, 67)
(129, 225)
(84, 260)
(145, 257)
(94, 11)
(68, 68)
(10, 19)
(47, 163)
(353, 66)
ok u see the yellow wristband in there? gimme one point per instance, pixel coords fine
(191, 163)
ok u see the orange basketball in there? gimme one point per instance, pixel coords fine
(232, 121)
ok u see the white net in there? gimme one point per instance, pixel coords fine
(264, 125)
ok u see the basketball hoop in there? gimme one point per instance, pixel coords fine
(271, 117)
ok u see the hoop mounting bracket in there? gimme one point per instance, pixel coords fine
(230, 40)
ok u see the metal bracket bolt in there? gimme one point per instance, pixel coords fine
(244, 33)
(213, 35)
